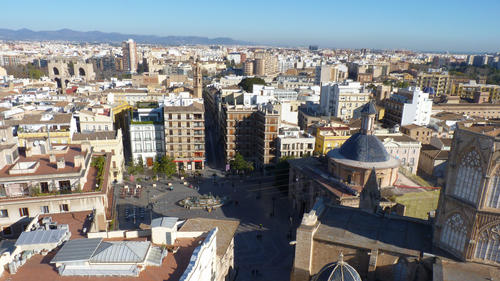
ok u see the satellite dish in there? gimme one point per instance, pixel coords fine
(36, 143)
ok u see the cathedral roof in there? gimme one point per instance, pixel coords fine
(338, 271)
(364, 148)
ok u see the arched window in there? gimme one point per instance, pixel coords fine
(494, 191)
(468, 177)
(454, 233)
(488, 245)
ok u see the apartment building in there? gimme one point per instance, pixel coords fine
(403, 148)
(267, 121)
(440, 82)
(130, 59)
(147, 138)
(419, 133)
(331, 73)
(343, 100)
(110, 142)
(292, 142)
(59, 128)
(331, 136)
(408, 106)
(237, 131)
(185, 135)
(469, 90)
(95, 119)
(60, 180)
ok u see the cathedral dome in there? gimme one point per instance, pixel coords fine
(337, 271)
(364, 148)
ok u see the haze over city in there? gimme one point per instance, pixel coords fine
(426, 25)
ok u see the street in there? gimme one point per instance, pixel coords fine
(251, 203)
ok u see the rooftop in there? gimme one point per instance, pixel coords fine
(46, 168)
(353, 226)
(226, 230)
(107, 135)
(171, 269)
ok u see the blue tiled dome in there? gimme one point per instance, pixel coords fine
(364, 148)
(337, 271)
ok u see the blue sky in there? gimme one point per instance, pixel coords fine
(418, 25)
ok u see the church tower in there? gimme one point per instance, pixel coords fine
(197, 81)
(468, 215)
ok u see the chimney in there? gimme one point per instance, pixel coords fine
(61, 163)
(78, 161)
(52, 158)
(85, 146)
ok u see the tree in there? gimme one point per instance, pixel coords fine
(239, 164)
(139, 166)
(247, 83)
(164, 166)
(282, 172)
(168, 166)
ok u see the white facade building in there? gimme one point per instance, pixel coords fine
(147, 137)
(344, 99)
(419, 111)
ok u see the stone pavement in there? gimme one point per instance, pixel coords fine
(270, 254)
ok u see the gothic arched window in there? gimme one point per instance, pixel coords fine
(468, 177)
(494, 192)
(488, 244)
(454, 233)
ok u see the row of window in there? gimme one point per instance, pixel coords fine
(94, 128)
(171, 116)
(24, 212)
(454, 236)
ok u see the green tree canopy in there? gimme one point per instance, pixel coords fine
(239, 164)
(247, 83)
(282, 172)
(164, 166)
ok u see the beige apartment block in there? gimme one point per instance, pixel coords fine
(185, 136)
(111, 142)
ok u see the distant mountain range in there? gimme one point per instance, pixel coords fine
(113, 37)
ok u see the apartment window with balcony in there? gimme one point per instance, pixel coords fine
(4, 213)
(44, 209)
(179, 116)
(64, 208)
(170, 118)
(23, 212)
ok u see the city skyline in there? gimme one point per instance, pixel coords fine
(388, 25)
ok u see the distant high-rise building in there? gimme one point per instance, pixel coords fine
(248, 68)
(313, 47)
(197, 83)
(129, 49)
(440, 82)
